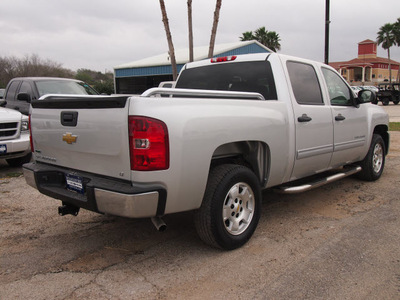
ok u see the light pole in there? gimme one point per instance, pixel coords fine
(327, 21)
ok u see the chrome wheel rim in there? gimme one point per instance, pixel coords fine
(238, 209)
(377, 159)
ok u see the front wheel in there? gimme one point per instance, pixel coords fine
(373, 164)
(231, 207)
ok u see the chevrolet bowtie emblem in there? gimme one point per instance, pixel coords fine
(69, 138)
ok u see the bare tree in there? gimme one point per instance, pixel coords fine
(214, 28)
(169, 39)
(189, 5)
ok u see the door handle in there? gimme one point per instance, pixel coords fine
(339, 117)
(304, 118)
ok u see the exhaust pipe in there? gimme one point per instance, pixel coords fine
(159, 223)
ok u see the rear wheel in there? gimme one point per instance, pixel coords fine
(231, 207)
(385, 101)
(374, 162)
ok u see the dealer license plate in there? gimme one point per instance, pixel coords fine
(74, 183)
(3, 149)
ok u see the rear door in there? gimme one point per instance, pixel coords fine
(313, 119)
(88, 133)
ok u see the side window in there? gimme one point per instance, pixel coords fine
(305, 83)
(339, 93)
(25, 88)
(12, 90)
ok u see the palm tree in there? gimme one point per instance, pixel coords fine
(387, 38)
(214, 28)
(261, 35)
(396, 31)
(169, 39)
(189, 5)
(247, 36)
(269, 39)
(273, 41)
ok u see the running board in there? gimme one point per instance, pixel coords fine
(317, 183)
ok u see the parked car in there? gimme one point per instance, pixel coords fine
(371, 88)
(14, 137)
(22, 90)
(388, 92)
(356, 89)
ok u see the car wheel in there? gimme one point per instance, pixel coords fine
(373, 164)
(396, 102)
(17, 162)
(385, 101)
(231, 207)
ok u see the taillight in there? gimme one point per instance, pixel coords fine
(223, 59)
(149, 144)
(30, 133)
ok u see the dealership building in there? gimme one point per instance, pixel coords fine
(137, 76)
(367, 67)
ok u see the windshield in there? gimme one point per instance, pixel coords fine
(255, 76)
(64, 87)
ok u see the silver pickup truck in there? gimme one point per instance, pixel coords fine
(231, 127)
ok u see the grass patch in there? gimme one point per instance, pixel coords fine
(394, 126)
(13, 174)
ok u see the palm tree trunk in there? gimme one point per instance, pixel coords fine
(169, 39)
(390, 67)
(214, 28)
(189, 4)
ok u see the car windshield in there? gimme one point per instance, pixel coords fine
(64, 87)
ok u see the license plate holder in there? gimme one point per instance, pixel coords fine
(74, 183)
(3, 148)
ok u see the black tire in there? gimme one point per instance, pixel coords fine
(396, 102)
(231, 207)
(17, 162)
(373, 164)
(385, 101)
(374, 102)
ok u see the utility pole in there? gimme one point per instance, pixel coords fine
(327, 21)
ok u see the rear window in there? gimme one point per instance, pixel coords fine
(255, 76)
(64, 87)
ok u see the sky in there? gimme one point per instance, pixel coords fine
(102, 34)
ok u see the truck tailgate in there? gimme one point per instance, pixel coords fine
(83, 133)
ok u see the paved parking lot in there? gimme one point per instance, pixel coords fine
(340, 241)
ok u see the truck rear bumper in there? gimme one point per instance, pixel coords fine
(101, 194)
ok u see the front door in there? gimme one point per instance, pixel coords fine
(350, 122)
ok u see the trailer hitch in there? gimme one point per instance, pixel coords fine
(67, 209)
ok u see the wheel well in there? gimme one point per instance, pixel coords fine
(382, 130)
(252, 154)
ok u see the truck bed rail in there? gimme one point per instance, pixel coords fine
(202, 93)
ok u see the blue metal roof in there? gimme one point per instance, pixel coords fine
(167, 69)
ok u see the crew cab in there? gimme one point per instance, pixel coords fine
(21, 91)
(231, 127)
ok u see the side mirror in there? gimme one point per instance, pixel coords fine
(366, 96)
(24, 97)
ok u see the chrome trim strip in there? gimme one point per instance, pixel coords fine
(349, 145)
(305, 153)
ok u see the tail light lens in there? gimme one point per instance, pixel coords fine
(149, 144)
(223, 59)
(30, 134)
